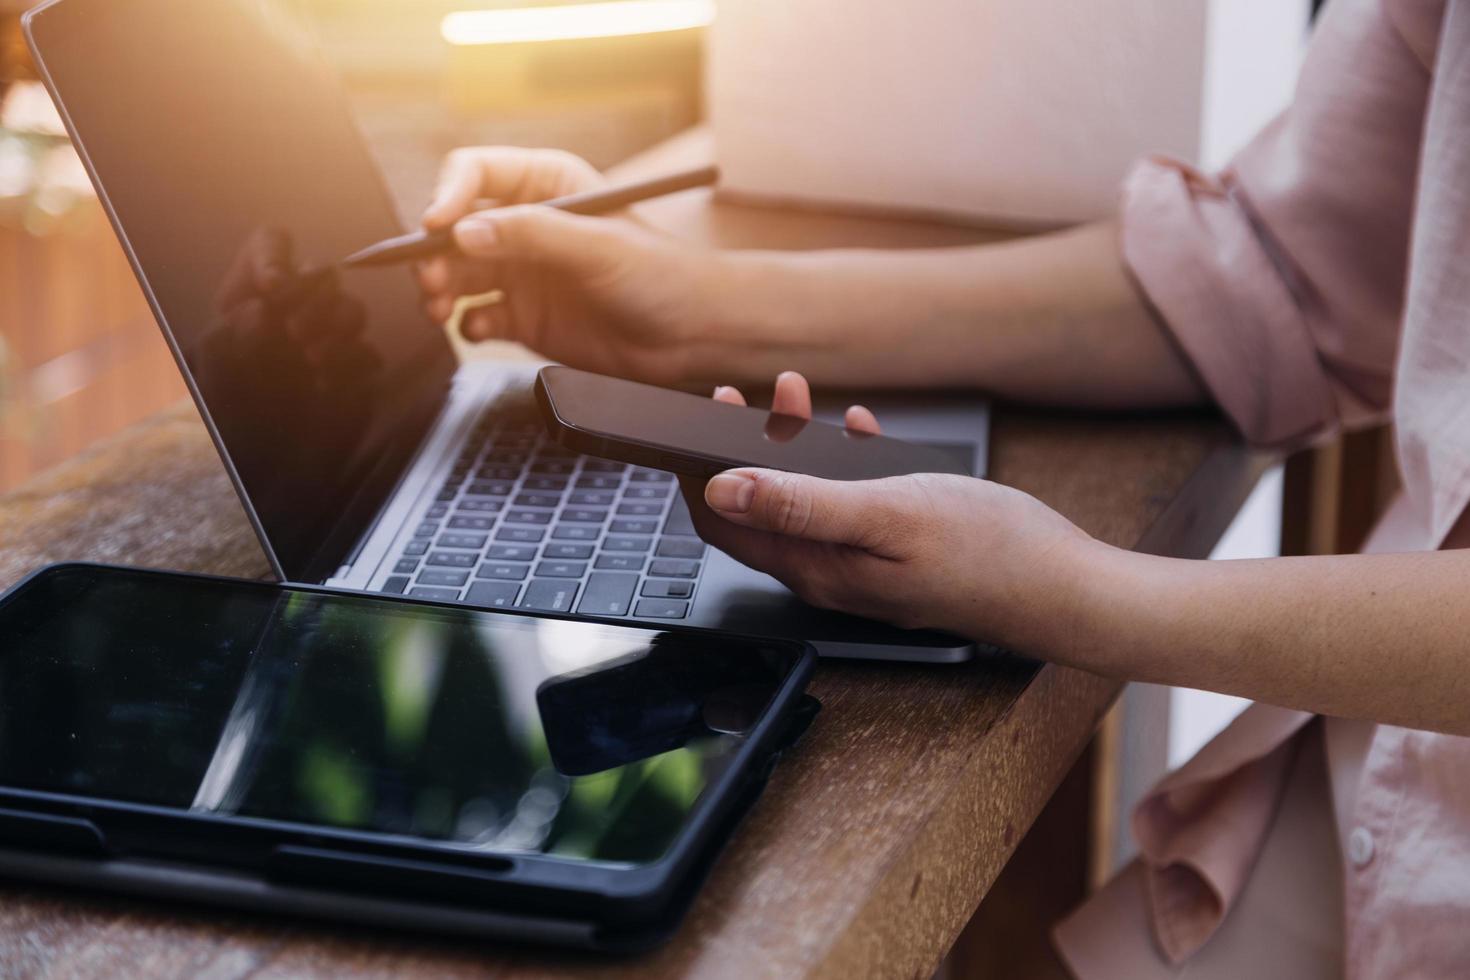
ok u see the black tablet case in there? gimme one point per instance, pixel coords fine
(66, 851)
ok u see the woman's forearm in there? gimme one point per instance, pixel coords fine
(1052, 319)
(1381, 637)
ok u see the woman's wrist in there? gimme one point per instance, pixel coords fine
(1088, 613)
(757, 314)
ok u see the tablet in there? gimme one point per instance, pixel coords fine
(377, 759)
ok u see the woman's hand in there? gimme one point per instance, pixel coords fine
(948, 552)
(601, 293)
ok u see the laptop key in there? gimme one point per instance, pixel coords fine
(576, 532)
(562, 569)
(451, 559)
(607, 594)
(538, 500)
(576, 552)
(584, 515)
(679, 521)
(499, 594)
(625, 543)
(545, 483)
(406, 566)
(427, 529)
(473, 542)
(673, 568)
(511, 552)
(498, 474)
(680, 548)
(438, 512)
(439, 577)
(528, 516)
(599, 481)
(603, 466)
(524, 535)
(641, 509)
(649, 476)
(461, 523)
(441, 595)
(620, 563)
(488, 490)
(481, 505)
(633, 527)
(415, 549)
(396, 584)
(662, 608)
(505, 571)
(550, 595)
(591, 498)
(645, 493)
(553, 466)
(661, 589)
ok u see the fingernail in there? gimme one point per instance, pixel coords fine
(719, 389)
(729, 493)
(477, 234)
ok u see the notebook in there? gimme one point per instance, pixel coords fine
(984, 111)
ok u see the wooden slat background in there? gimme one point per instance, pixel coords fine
(85, 357)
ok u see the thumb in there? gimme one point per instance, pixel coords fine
(571, 242)
(790, 504)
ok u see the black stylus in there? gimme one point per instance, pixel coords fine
(423, 244)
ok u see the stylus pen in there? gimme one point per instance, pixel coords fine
(423, 244)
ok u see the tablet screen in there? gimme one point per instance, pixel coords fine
(495, 732)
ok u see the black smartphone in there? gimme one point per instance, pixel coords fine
(377, 759)
(683, 433)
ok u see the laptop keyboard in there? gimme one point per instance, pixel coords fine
(521, 522)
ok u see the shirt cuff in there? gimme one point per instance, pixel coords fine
(1220, 286)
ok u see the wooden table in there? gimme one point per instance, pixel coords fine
(877, 839)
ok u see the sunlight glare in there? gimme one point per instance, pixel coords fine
(619, 18)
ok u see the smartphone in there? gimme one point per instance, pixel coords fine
(377, 759)
(683, 433)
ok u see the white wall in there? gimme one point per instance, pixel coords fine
(1253, 51)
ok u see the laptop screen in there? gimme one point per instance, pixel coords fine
(237, 178)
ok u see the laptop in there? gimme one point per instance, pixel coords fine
(367, 458)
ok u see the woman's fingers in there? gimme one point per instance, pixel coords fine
(730, 396)
(435, 275)
(798, 506)
(510, 175)
(460, 181)
(793, 395)
(487, 323)
(456, 278)
(860, 419)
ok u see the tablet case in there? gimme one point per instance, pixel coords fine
(69, 851)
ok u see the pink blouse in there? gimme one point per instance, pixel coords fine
(1323, 281)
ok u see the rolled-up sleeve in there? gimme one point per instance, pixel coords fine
(1282, 277)
(1200, 259)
